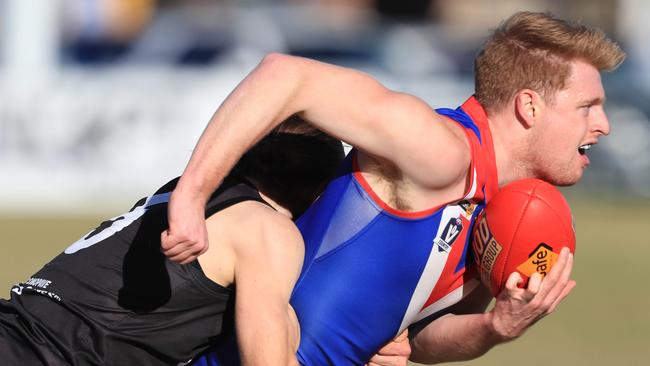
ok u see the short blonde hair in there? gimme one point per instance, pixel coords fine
(533, 51)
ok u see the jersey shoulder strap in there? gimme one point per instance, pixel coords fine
(233, 190)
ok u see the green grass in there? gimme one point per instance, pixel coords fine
(29, 242)
(604, 322)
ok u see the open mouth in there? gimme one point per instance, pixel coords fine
(583, 149)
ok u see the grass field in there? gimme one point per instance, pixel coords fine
(605, 322)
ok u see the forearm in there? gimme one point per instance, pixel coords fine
(455, 338)
(463, 337)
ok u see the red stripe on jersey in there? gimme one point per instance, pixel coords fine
(482, 151)
(483, 160)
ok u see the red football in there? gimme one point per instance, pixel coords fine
(523, 228)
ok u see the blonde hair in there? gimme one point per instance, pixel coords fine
(533, 51)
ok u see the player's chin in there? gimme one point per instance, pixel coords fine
(564, 177)
(568, 179)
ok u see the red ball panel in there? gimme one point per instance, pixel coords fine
(523, 228)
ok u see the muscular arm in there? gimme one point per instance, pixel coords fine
(265, 273)
(267, 253)
(345, 103)
(466, 332)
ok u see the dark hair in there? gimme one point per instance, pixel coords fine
(292, 164)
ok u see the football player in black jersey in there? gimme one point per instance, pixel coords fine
(112, 297)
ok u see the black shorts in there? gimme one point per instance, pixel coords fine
(16, 348)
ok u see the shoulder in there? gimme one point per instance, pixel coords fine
(252, 225)
(261, 240)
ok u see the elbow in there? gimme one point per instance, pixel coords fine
(286, 73)
(275, 59)
(280, 65)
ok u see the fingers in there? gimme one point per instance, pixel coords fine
(556, 281)
(181, 248)
(394, 353)
(396, 348)
(187, 236)
(166, 241)
(565, 292)
(186, 255)
(556, 271)
(556, 285)
(169, 244)
(513, 281)
(534, 286)
(563, 275)
(181, 251)
(399, 346)
(517, 309)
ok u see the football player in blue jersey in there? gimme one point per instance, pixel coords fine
(386, 243)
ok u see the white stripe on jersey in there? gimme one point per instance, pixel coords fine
(449, 299)
(472, 190)
(432, 270)
(118, 223)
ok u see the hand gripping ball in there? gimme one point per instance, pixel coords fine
(523, 228)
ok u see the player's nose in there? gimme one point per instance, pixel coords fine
(601, 123)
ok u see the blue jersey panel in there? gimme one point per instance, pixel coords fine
(356, 259)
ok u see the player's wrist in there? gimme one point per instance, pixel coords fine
(191, 191)
(496, 330)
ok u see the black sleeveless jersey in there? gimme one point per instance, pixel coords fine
(112, 297)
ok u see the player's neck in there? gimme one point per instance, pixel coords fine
(281, 209)
(510, 149)
(273, 203)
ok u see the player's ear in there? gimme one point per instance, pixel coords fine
(528, 107)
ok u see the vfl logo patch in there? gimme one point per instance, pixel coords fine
(449, 234)
(540, 260)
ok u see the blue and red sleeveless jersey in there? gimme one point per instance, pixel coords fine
(370, 270)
